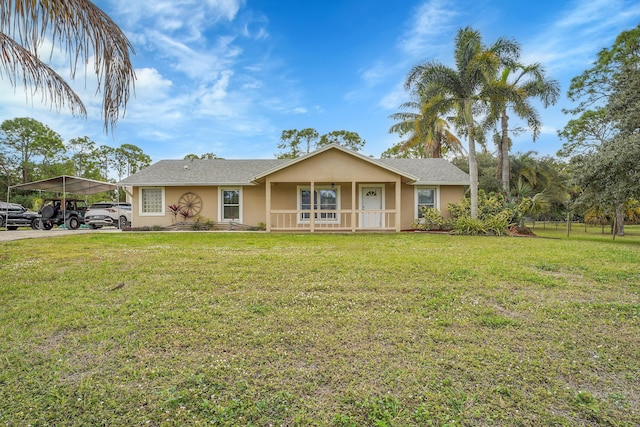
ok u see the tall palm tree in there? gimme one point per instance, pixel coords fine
(464, 88)
(516, 85)
(84, 33)
(427, 134)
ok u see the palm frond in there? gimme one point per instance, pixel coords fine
(83, 32)
(22, 66)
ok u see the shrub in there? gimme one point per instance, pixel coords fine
(431, 220)
(469, 226)
(498, 224)
(496, 214)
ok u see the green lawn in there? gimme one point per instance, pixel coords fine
(254, 329)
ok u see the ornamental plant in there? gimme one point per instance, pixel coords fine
(175, 209)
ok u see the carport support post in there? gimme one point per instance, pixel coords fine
(64, 201)
(6, 212)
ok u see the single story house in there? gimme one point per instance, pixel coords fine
(330, 189)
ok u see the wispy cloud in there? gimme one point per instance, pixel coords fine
(430, 21)
(580, 30)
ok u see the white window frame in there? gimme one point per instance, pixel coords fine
(221, 204)
(436, 198)
(141, 204)
(318, 219)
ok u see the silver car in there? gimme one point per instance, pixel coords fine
(117, 214)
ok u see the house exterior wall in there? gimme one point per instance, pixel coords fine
(450, 194)
(253, 205)
(327, 167)
(284, 197)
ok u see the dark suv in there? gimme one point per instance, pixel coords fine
(69, 212)
(13, 216)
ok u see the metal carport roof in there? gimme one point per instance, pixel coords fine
(67, 184)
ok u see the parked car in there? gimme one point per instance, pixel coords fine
(69, 212)
(13, 215)
(117, 214)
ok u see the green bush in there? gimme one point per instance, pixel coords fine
(496, 213)
(498, 224)
(469, 226)
(431, 220)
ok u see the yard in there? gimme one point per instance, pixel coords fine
(254, 329)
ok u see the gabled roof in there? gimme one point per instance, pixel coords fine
(335, 147)
(204, 172)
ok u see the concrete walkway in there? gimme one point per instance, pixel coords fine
(19, 234)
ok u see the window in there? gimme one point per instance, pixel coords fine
(151, 201)
(426, 197)
(230, 200)
(324, 199)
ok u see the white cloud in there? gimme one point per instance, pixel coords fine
(395, 98)
(150, 84)
(581, 30)
(431, 20)
(219, 89)
(192, 16)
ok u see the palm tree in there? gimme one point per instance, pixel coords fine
(462, 89)
(84, 33)
(426, 134)
(514, 88)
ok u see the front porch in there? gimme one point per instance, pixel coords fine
(342, 220)
(333, 206)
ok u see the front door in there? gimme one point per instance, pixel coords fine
(371, 206)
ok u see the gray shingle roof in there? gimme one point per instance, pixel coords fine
(201, 172)
(429, 171)
(241, 172)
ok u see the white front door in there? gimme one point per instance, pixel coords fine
(371, 205)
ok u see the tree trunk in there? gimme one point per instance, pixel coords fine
(619, 228)
(473, 161)
(473, 174)
(499, 154)
(504, 150)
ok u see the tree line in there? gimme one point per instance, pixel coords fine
(31, 151)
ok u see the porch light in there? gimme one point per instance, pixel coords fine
(333, 186)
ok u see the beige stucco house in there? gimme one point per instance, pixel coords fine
(350, 191)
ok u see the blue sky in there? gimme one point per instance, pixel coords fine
(227, 76)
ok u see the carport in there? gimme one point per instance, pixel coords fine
(64, 185)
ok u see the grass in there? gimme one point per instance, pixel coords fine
(253, 329)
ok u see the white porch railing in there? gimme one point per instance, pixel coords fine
(333, 220)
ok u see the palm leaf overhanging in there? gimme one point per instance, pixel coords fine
(84, 33)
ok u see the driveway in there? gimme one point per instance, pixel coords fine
(6, 236)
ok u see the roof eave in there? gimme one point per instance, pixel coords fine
(439, 183)
(186, 184)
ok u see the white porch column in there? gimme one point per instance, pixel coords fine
(398, 203)
(267, 184)
(354, 206)
(312, 217)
